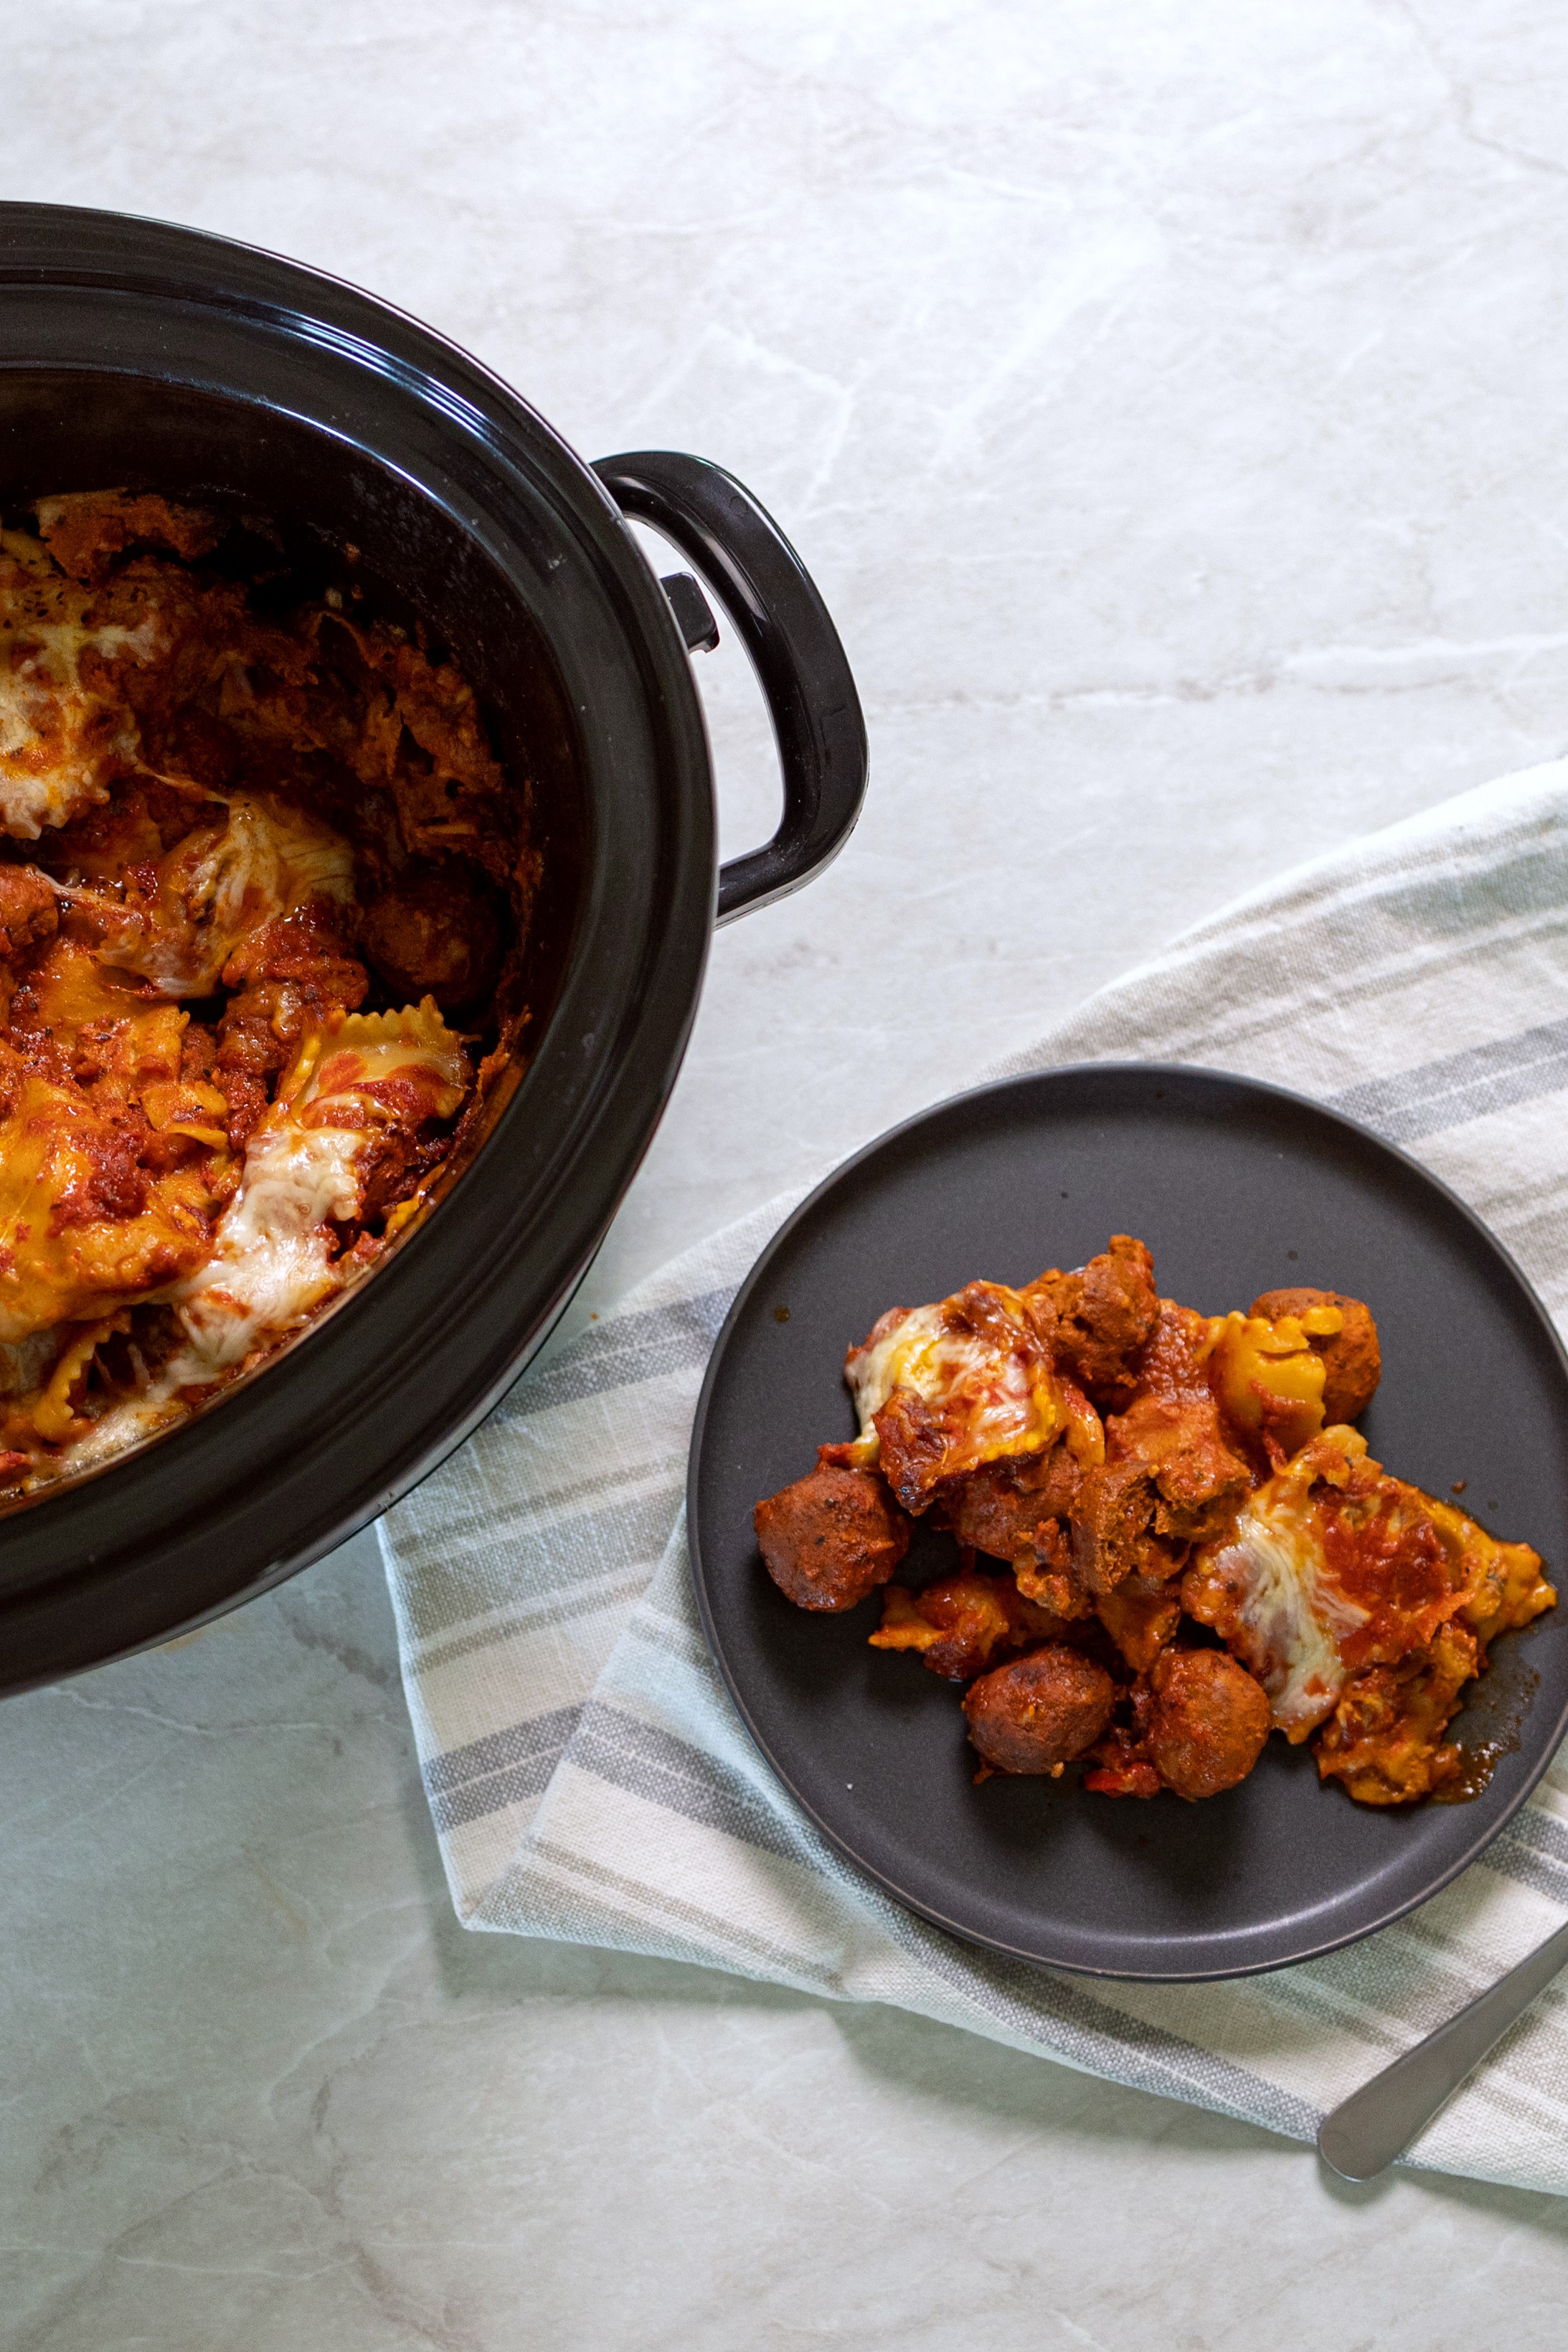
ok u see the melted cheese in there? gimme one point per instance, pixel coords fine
(218, 888)
(996, 1392)
(61, 743)
(1269, 1375)
(272, 1260)
(1289, 1618)
(67, 992)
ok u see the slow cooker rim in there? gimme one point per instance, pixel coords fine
(52, 224)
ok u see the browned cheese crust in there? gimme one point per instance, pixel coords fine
(1384, 1738)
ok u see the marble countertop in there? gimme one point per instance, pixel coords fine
(1168, 402)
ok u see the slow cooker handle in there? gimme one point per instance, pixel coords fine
(745, 559)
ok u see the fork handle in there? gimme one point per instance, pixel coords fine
(1362, 2137)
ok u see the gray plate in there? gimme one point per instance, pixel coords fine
(1237, 1188)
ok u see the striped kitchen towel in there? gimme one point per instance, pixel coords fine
(587, 1774)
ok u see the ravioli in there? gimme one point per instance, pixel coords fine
(945, 1389)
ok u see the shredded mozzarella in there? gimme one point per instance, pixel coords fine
(1004, 1396)
(1291, 1616)
(53, 759)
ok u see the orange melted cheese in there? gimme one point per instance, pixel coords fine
(1266, 1377)
(81, 1229)
(68, 992)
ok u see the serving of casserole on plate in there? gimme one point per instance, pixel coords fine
(1136, 1538)
(1151, 1476)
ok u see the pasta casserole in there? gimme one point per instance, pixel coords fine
(263, 894)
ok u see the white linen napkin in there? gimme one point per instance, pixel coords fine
(588, 1777)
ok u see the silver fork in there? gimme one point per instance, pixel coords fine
(1364, 2133)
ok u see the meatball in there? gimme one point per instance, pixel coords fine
(435, 935)
(1112, 1524)
(1203, 1720)
(1001, 1509)
(1105, 1311)
(1040, 1712)
(1180, 1443)
(1353, 1361)
(832, 1537)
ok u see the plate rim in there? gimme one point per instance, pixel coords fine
(750, 1282)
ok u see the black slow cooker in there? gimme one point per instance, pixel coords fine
(135, 353)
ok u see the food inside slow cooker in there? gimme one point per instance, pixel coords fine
(264, 892)
(1195, 1548)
